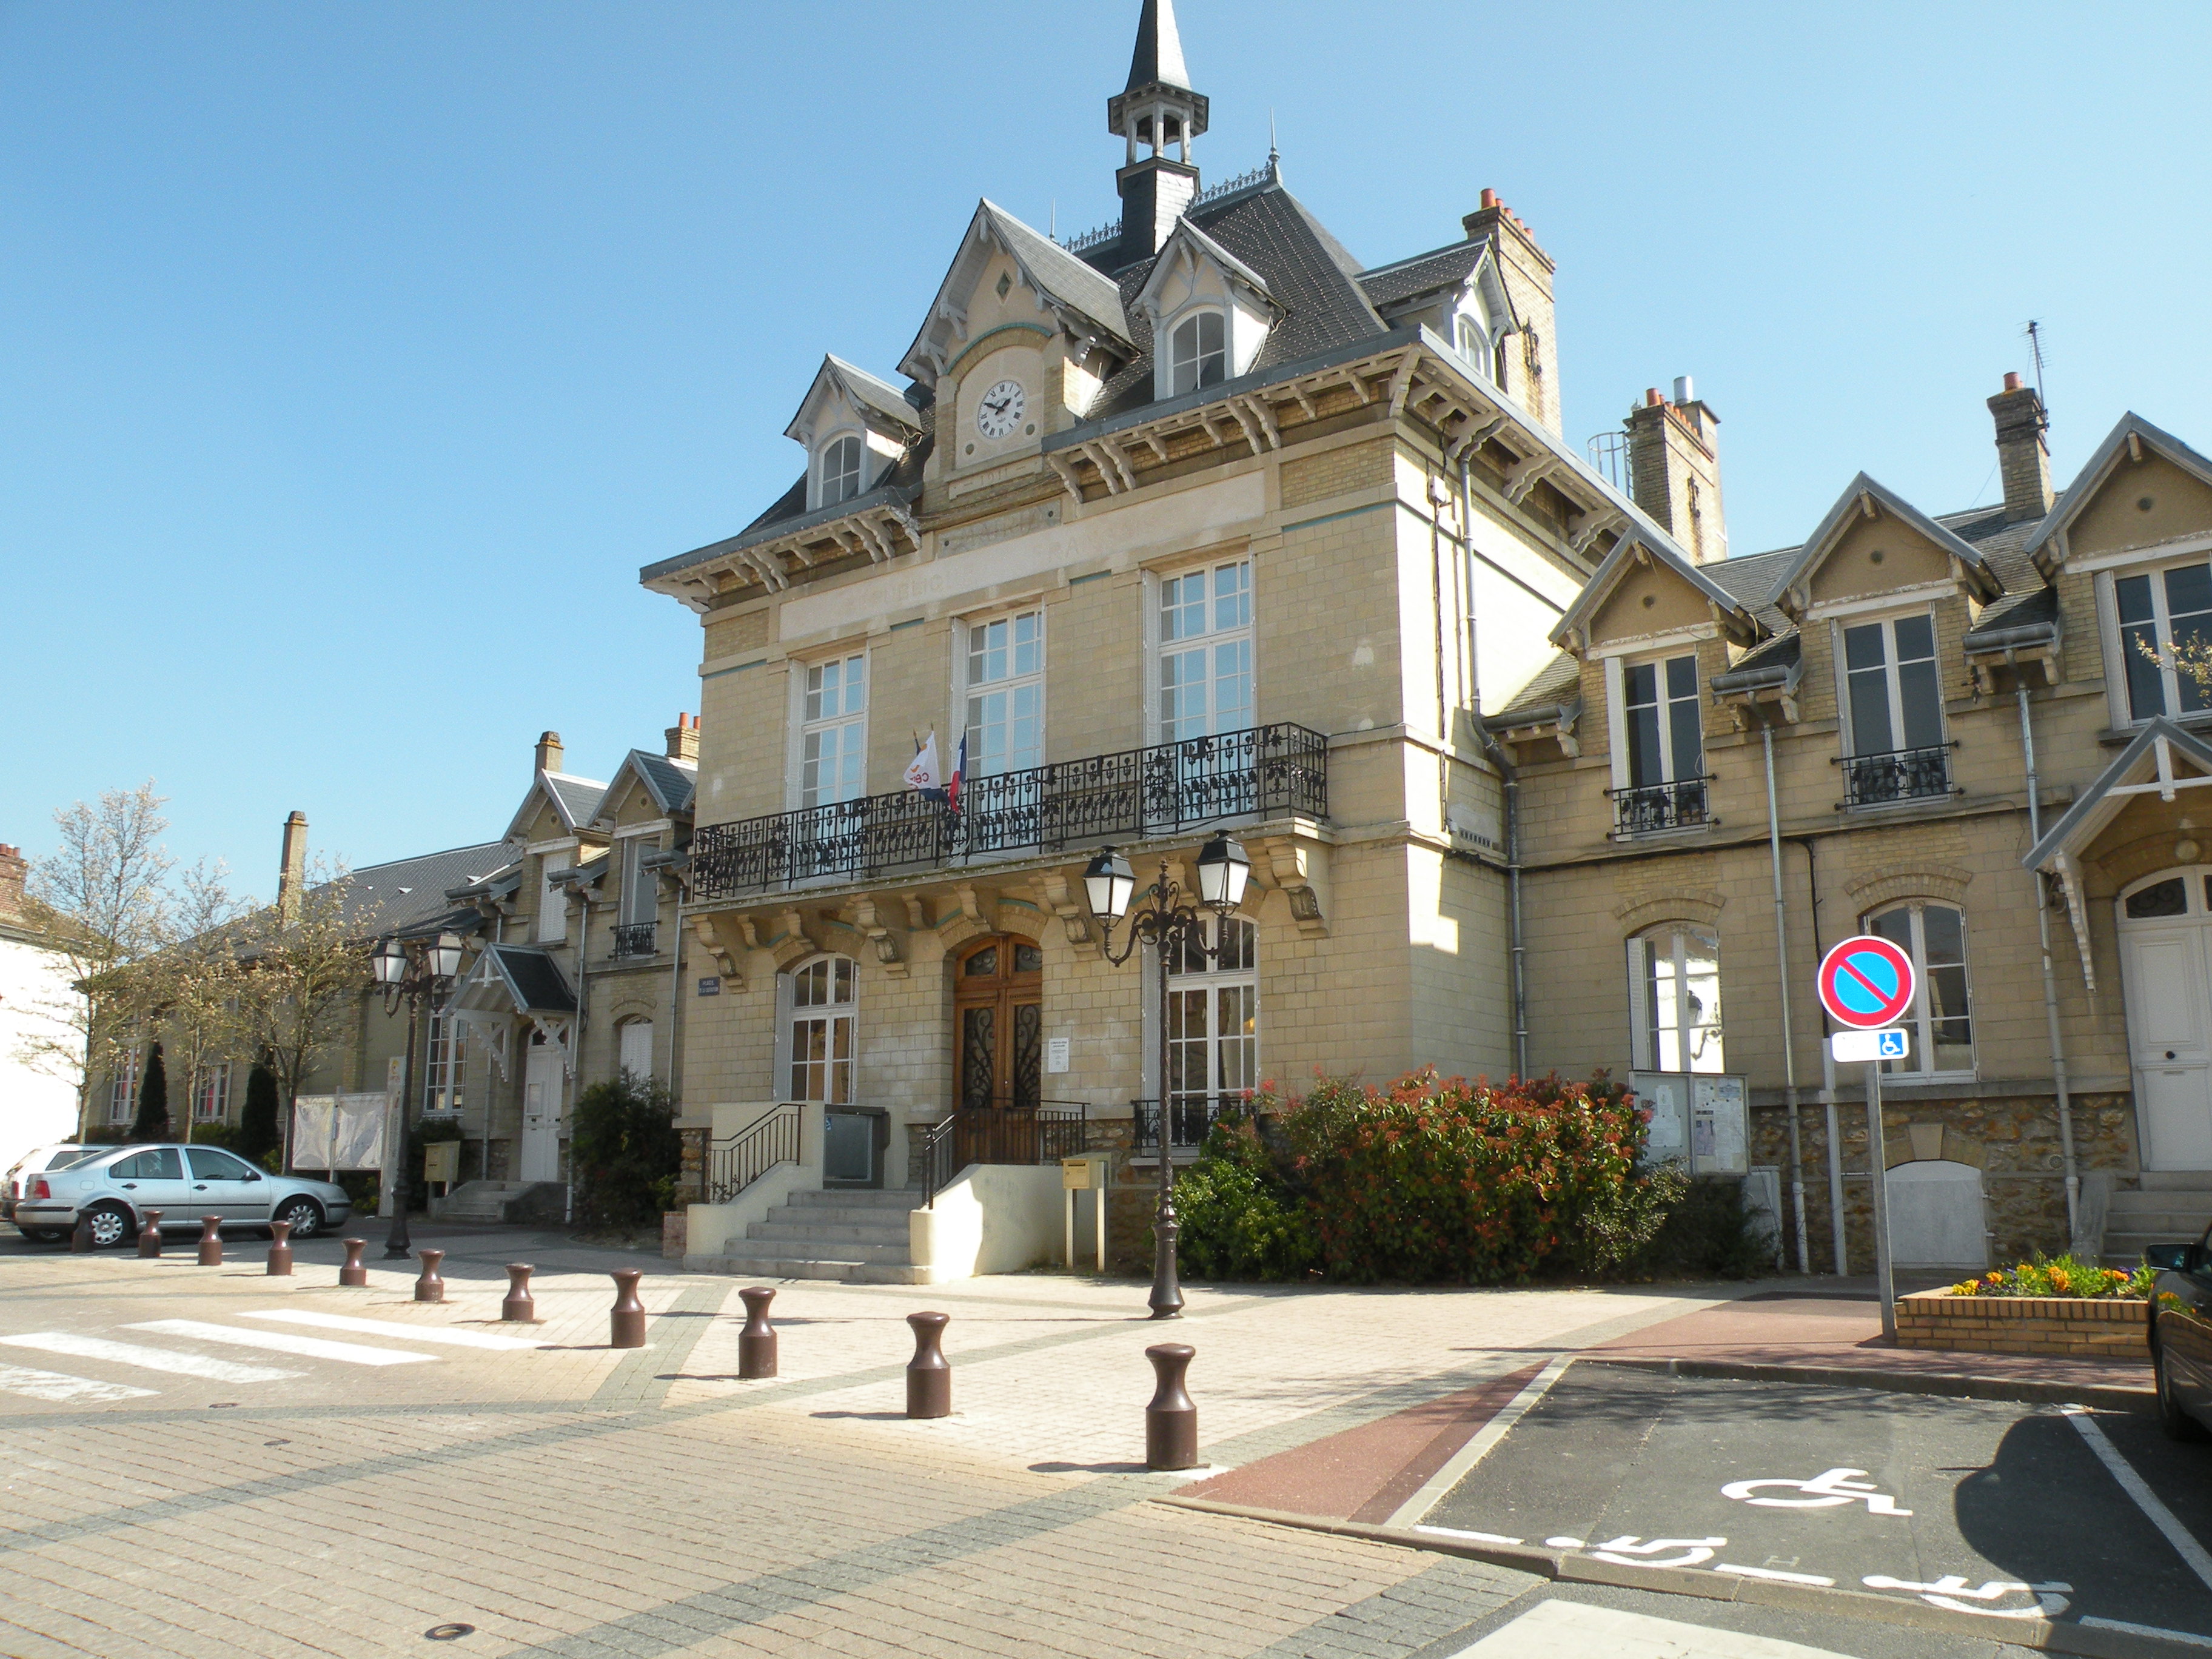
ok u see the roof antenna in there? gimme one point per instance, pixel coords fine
(1054, 232)
(2034, 332)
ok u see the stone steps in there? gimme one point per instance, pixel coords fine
(2175, 1208)
(858, 1237)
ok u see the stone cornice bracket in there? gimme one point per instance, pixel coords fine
(710, 941)
(972, 915)
(1060, 464)
(794, 946)
(1300, 869)
(917, 914)
(869, 920)
(1065, 897)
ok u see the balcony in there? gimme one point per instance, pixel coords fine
(1262, 772)
(634, 939)
(1657, 807)
(1901, 774)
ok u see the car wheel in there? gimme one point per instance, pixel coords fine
(43, 1235)
(305, 1215)
(2178, 1424)
(109, 1224)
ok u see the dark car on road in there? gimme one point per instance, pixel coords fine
(2181, 1337)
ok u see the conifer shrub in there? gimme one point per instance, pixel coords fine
(259, 1136)
(625, 1153)
(152, 1123)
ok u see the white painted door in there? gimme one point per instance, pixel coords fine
(540, 1158)
(2169, 1041)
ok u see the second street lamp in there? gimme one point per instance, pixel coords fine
(1176, 930)
(426, 972)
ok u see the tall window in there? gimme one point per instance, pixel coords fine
(840, 471)
(1205, 652)
(2159, 612)
(1198, 354)
(122, 1088)
(1213, 1026)
(1941, 1019)
(1896, 702)
(834, 731)
(822, 1032)
(211, 1098)
(1675, 999)
(552, 898)
(1660, 701)
(1006, 694)
(634, 1048)
(640, 895)
(1474, 345)
(441, 1064)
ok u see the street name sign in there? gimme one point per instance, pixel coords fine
(1865, 982)
(1850, 1046)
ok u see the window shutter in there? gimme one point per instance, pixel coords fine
(1639, 999)
(1616, 721)
(779, 1086)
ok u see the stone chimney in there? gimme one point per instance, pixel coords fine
(549, 751)
(2023, 457)
(1532, 356)
(14, 868)
(292, 868)
(1675, 468)
(683, 738)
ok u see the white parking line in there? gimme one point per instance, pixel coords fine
(353, 1353)
(151, 1360)
(452, 1339)
(2184, 1542)
(55, 1385)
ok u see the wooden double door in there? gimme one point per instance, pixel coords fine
(997, 1012)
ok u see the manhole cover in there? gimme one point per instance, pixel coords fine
(449, 1632)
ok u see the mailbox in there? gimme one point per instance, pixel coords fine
(1077, 1175)
(441, 1161)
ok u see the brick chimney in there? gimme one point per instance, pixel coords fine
(683, 738)
(549, 751)
(1675, 468)
(292, 867)
(14, 868)
(1531, 357)
(2023, 457)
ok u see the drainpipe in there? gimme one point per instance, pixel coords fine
(1516, 944)
(576, 1058)
(1782, 963)
(1828, 1085)
(2050, 975)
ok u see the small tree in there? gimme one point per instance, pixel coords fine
(626, 1152)
(152, 1123)
(196, 983)
(103, 896)
(305, 969)
(259, 1133)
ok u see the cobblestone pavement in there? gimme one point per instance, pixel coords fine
(208, 1461)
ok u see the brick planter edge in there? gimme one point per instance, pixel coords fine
(2072, 1327)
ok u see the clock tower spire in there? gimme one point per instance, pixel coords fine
(1159, 112)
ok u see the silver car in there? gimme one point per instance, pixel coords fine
(114, 1190)
(38, 1161)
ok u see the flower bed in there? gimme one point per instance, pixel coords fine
(2078, 1327)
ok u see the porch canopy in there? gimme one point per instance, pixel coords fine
(2163, 760)
(509, 983)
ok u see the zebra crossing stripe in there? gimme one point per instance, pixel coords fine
(314, 1347)
(151, 1360)
(452, 1339)
(54, 1385)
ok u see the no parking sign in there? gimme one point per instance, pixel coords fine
(1865, 982)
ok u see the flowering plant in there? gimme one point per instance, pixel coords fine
(2058, 1276)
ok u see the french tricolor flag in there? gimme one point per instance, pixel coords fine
(959, 774)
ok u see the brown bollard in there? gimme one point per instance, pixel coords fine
(149, 1236)
(756, 1342)
(1170, 1421)
(626, 1323)
(518, 1307)
(429, 1287)
(928, 1377)
(81, 1235)
(280, 1250)
(354, 1273)
(210, 1241)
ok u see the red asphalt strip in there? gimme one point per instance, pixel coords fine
(1364, 1473)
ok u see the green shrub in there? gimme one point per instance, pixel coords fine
(625, 1153)
(2060, 1276)
(1707, 1232)
(258, 1135)
(1238, 1220)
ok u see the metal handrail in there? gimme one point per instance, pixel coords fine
(1031, 1132)
(1897, 775)
(736, 1161)
(1133, 793)
(634, 938)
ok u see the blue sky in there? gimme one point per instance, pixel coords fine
(355, 356)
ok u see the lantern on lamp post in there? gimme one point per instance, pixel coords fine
(414, 976)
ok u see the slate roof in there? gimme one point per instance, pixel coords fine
(1556, 683)
(533, 979)
(411, 893)
(672, 782)
(1425, 273)
(901, 484)
(877, 393)
(579, 798)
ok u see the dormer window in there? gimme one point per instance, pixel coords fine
(841, 459)
(1198, 352)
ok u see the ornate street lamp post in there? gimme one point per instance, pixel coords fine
(415, 976)
(1176, 930)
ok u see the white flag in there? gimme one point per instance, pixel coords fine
(923, 773)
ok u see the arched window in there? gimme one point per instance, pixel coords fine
(821, 1032)
(634, 1049)
(1199, 352)
(1675, 999)
(841, 470)
(1473, 345)
(1941, 1019)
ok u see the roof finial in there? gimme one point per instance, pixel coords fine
(1275, 156)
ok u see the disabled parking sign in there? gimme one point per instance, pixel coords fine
(1865, 982)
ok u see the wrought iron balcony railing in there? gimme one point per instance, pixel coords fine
(1191, 1118)
(1133, 794)
(634, 939)
(1656, 807)
(1900, 774)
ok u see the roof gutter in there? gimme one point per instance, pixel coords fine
(1999, 639)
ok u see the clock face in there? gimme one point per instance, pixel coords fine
(1000, 409)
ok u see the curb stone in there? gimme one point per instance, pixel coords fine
(2087, 1641)
(2104, 1396)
